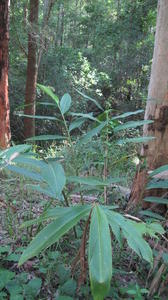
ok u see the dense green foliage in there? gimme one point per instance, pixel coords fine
(67, 235)
(103, 48)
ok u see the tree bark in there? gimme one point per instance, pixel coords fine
(5, 133)
(31, 80)
(156, 151)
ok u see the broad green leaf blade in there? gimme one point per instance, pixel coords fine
(49, 92)
(132, 124)
(52, 214)
(76, 124)
(47, 191)
(65, 103)
(159, 170)
(24, 172)
(93, 181)
(46, 137)
(128, 114)
(154, 184)
(29, 161)
(88, 136)
(150, 229)
(100, 254)
(52, 232)
(53, 174)
(38, 117)
(158, 200)
(132, 234)
(12, 152)
(137, 243)
(86, 116)
(89, 98)
(143, 139)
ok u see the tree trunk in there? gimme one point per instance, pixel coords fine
(156, 151)
(31, 80)
(5, 134)
(60, 26)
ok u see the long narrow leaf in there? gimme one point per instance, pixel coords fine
(158, 200)
(100, 254)
(132, 234)
(159, 170)
(88, 136)
(128, 114)
(29, 161)
(24, 172)
(47, 90)
(132, 124)
(151, 214)
(162, 184)
(51, 214)
(14, 151)
(93, 181)
(143, 139)
(37, 117)
(76, 124)
(86, 116)
(46, 137)
(52, 232)
(89, 98)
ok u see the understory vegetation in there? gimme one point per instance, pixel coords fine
(75, 198)
(69, 230)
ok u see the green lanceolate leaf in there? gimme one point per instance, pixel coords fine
(132, 233)
(24, 172)
(29, 161)
(88, 136)
(143, 139)
(38, 117)
(151, 214)
(100, 254)
(65, 103)
(128, 114)
(50, 214)
(159, 170)
(46, 137)
(76, 124)
(12, 152)
(137, 242)
(158, 200)
(49, 92)
(52, 232)
(132, 124)
(162, 184)
(93, 181)
(43, 190)
(53, 174)
(89, 98)
(85, 116)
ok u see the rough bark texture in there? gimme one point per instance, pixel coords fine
(30, 94)
(4, 100)
(156, 151)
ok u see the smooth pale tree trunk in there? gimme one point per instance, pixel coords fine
(156, 151)
(5, 134)
(31, 79)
